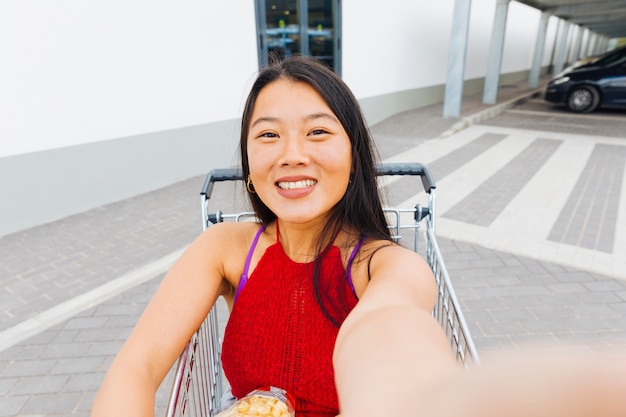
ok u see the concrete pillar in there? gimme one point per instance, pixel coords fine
(494, 64)
(576, 49)
(605, 44)
(598, 46)
(261, 24)
(555, 42)
(457, 51)
(561, 48)
(584, 44)
(303, 18)
(592, 42)
(540, 43)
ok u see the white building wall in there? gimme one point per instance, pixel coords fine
(479, 38)
(398, 47)
(404, 45)
(77, 72)
(104, 100)
(402, 50)
(521, 34)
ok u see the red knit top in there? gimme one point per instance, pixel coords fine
(277, 334)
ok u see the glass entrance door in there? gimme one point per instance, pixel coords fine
(306, 27)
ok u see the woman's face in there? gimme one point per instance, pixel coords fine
(299, 154)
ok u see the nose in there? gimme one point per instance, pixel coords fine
(294, 152)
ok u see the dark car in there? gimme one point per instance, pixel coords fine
(600, 82)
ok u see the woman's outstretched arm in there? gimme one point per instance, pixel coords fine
(177, 309)
(392, 359)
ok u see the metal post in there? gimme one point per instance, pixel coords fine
(561, 48)
(577, 43)
(535, 70)
(494, 64)
(593, 37)
(457, 51)
(261, 24)
(605, 43)
(303, 20)
(338, 30)
(585, 43)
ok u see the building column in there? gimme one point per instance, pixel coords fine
(593, 37)
(494, 64)
(561, 47)
(577, 42)
(457, 51)
(261, 25)
(303, 18)
(605, 44)
(597, 46)
(540, 43)
(585, 43)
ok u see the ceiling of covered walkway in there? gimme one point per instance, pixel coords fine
(605, 17)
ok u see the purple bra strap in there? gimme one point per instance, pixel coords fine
(244, 276)
(349, 266)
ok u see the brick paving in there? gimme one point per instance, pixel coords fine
(596, 201)
(52, 263)
(510, 300)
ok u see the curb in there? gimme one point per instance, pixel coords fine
(68, 309)
(488, 113)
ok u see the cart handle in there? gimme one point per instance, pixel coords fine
(220, 174)
(396, 168)
(408, 168)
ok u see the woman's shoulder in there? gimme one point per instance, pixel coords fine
(398, 274)
(226, 235)
(375, 250)
(396, 265)
(227, 244)
(234, 227)
(384, 254)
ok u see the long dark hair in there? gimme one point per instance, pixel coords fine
(360, 208)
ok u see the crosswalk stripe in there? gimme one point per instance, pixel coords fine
(485, 204)
(619, 247)
(524, 225)
(539, 203)
(459, 184)
(588, 218)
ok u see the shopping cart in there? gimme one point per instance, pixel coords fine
(199, 383)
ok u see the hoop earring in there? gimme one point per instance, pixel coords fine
(250, 186)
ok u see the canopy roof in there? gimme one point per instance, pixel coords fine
(605, 17)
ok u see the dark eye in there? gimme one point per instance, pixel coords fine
(318, 132)
(268, 135)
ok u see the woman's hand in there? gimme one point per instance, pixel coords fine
(393, 359)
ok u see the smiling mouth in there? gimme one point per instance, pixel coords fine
(288, 185)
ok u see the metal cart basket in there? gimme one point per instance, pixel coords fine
(199, 383)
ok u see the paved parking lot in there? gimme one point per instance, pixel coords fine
(531, 258)
(537, 114)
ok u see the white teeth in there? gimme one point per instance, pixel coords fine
(297, 184)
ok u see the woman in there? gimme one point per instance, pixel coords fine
(322, 301)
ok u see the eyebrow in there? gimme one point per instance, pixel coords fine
(313, 116)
